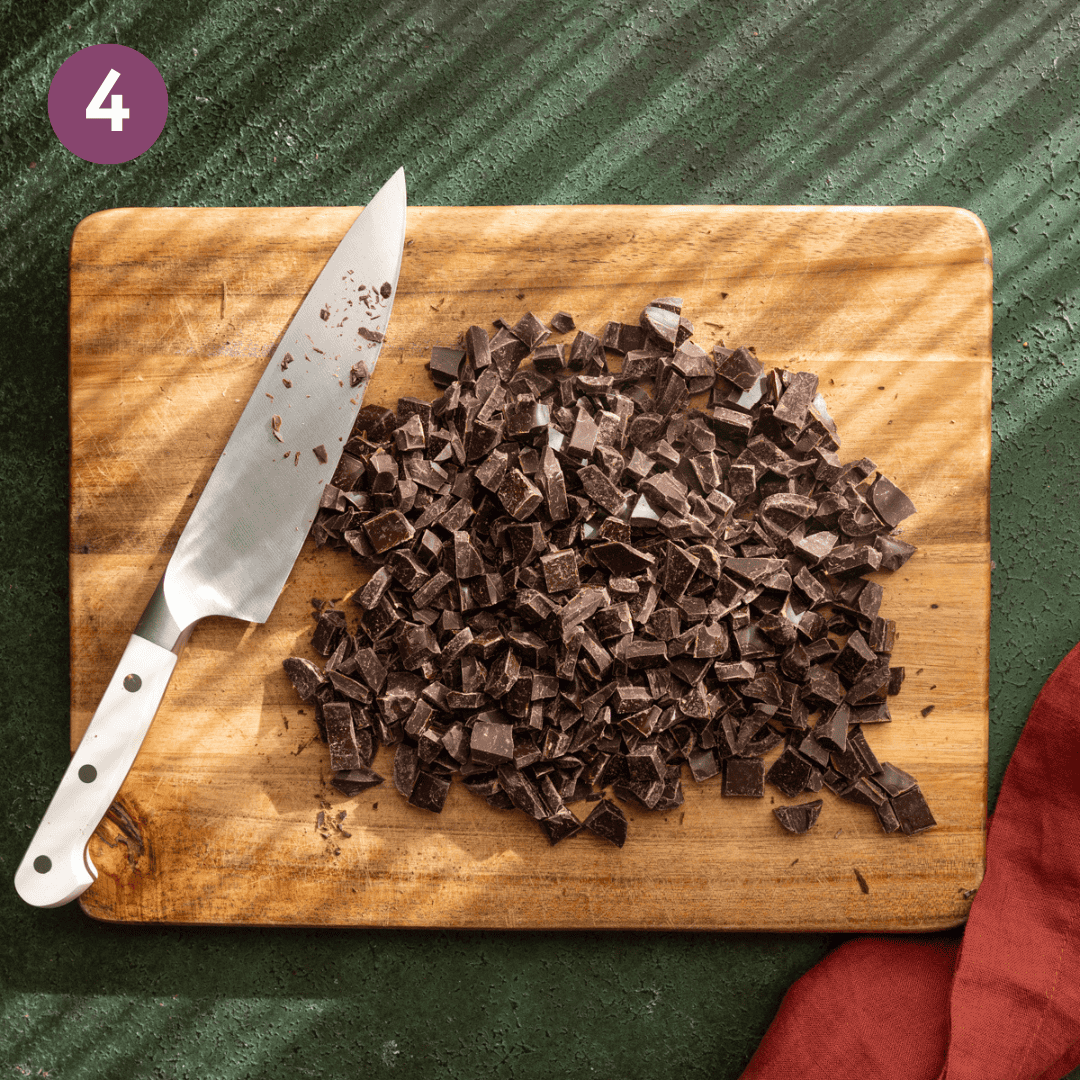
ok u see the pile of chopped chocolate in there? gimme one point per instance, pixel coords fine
(578, 586)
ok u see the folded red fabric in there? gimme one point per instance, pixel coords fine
(1004, 1002)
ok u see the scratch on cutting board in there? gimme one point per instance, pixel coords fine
(187, 326)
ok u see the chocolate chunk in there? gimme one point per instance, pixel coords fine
(519, 495)
(406, 768)
(744, 777)
(601, 490)
(388, 530)
(740, 367)
(340, 736)
(329, 627)
(530, 330)
(894, 552)
(560, 824)
(790, 773)
(478, 347)
(607, 820)
(623, 337)
(491, 743)
(831, 729)
(582, 437)
(799, 818)
(549, 359)
(353, 781)
(887, 817)
(304, 675)
(445, 364)
(561, 323)
(889, 502)
(661, 322)
(893, 781)
(560, 571)
(522, 792)
(679, 568)
(429, 791)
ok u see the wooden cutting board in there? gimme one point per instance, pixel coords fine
(174, 313)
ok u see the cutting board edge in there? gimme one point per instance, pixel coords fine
(921, 926)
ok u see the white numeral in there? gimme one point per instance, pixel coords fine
(116, 111)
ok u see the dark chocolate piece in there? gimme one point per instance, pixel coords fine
(912, 811)
(429, 791)
(790, 773)
(304, 675)
(889, 502)
(388, 529)
(491, 743)
(354, 781)
(445, 364)
(799, 818)
(744, 777)
(519, 495)
(607, 820)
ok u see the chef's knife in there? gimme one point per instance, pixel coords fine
(240, 543)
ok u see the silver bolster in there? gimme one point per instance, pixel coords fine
(158, 625)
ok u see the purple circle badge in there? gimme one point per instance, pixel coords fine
(108, 104)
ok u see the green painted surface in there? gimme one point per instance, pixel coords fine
(970, 104)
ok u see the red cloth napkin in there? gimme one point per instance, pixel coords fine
(1003, 1003)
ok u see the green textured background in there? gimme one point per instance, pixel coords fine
(971, 104)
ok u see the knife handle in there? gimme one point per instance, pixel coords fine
(56, 867)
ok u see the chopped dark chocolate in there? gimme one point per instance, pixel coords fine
(607, 820)
(799, 818)
(429, 791)
(744, 776)
(577, 585)
(354, 781)
(912, 811)
(790, 773)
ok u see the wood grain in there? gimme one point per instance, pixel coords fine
(174, 313)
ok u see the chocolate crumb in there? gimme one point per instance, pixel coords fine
(320, 452)
(275, 427)
(862, 881)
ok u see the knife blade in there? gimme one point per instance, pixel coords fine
(244, 534)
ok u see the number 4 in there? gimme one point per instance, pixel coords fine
(116, 111)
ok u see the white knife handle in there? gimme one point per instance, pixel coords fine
(57, 866)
